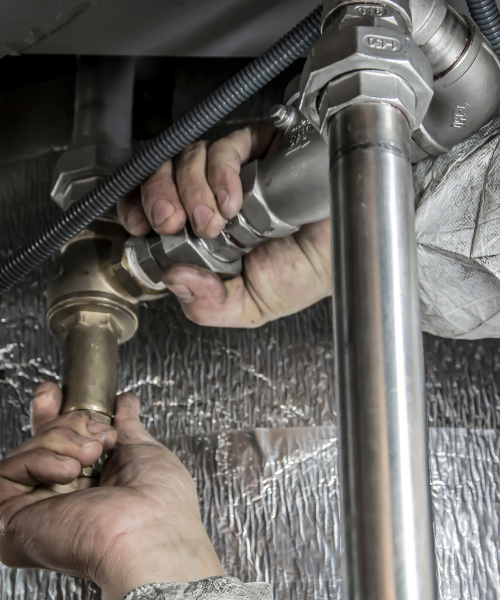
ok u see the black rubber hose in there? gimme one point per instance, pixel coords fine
(486, 14)
(162, 148)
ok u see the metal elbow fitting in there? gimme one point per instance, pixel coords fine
(466, 77)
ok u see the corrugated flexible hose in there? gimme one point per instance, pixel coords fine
(486, 14)
(162, 148)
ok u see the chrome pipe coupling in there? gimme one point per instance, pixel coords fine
(365, 54)
(466, 75)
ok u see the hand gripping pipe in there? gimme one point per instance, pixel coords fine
(156, 152)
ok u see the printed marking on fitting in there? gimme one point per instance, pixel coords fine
(382, 42)
(460, 115)
(363, 10)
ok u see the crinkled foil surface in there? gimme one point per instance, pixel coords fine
(251, 415)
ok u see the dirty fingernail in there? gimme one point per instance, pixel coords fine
(181, 291)
(134, 218)
(162, 210)
(201, 216)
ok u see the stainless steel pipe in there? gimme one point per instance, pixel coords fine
(103, 101)
(384, 480)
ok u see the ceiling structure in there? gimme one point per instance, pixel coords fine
(149, 27)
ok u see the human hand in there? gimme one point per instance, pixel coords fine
(279, 277)
(140, 524)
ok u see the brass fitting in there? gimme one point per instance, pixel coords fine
(91, 313)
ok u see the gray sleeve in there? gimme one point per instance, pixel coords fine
(213, 588)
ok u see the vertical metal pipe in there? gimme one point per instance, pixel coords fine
(388, 543)
(90, 356)
(103, 101)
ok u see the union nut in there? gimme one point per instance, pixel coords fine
(366, 86)
(185, 247)
(79, 170)
(353, 42)
(257, 214)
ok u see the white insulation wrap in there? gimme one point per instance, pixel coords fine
(457, 199)
(251, 412)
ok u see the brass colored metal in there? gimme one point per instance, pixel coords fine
(89, 373)
(91, 313)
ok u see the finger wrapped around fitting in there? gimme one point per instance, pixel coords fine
(65, 442)
(19, 474)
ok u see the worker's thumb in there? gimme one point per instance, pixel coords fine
(130, 429)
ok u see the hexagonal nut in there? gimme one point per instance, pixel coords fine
(351, 47)
(185, 247)
(224, 248)
(255, 209)
(79, 170)
(120, 271)
(242, 232)
(366, 86)
(393, 12)
(145, 259)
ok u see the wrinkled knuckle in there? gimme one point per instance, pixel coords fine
(40, 453)
(193, 196)
(69, 470)
(192, 151)
(56, 433)
(149, 189)
(220, 146)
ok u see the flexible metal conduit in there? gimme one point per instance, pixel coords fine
(486, 14)
(159, 150)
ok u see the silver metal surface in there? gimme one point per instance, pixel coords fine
(185, 247)
(280, 193)
(268, 496)
(356, 38)
(465, 93)
(358, 87)
(388, 550)
(102, 127)
(447, 44)
(427, 17)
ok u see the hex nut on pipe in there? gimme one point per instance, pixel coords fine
(79, 170)
(354, 42)
(367, 86)
(185, 247)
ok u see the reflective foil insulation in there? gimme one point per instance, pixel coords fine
(251, 413)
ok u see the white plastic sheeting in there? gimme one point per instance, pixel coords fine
(457, 200)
